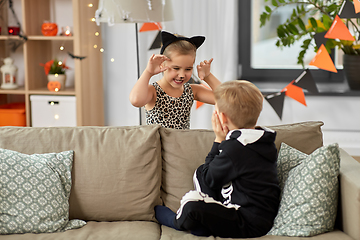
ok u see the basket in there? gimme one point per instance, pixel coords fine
(12, 114)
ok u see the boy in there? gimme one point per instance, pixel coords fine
(236, 189)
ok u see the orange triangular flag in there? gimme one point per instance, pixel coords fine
(199, 104)
(338, 30)
(295, 93)
(150, 26)
(323, 60)
(357, 6)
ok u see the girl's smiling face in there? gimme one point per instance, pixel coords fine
(180, 69)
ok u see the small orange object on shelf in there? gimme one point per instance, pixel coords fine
(12, 114)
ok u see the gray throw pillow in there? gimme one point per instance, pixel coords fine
(34, 192)
(309, 191)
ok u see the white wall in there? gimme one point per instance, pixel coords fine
(217, 21)
(211, 18)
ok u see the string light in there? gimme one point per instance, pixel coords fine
(93, 19)
(90, 5)
(60, 63)
(97, 34)
(112, 59)
(61, 48)
(102, 50)
(95, 46)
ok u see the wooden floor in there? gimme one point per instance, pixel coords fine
(357, 158)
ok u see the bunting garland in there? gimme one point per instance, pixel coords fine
(322, 60)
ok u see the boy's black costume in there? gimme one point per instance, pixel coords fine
(237, 192)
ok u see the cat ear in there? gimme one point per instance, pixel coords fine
(197, 41)
(166, 39)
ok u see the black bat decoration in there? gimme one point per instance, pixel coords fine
(76, 57)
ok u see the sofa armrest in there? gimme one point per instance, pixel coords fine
(350, 194)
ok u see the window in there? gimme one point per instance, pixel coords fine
(260, 59)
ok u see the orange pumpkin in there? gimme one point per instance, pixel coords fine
(54, 86)
(49, 29)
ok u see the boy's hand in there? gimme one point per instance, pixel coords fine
(219, 129)
(204, 69)
(155, 65)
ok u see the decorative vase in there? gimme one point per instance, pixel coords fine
(351, 65)
(61, 78)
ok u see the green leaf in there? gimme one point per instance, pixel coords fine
(268, 9)
(274, 3)
(301, 24)
(293, 29)
(313, 22)
(327, 21)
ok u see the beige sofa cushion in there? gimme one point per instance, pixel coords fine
(184, 150)
(305, 136)
(170, 233)
(126, 230)
(116, 170)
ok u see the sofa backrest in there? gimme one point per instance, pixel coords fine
(184, 150)
(116, 171)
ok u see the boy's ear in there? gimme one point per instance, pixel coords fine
(223, 117)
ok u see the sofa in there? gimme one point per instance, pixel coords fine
(119, 174)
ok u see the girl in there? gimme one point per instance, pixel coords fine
(168, 101)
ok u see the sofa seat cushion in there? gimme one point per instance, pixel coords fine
(172, 234)
(98, 231)
(116, 171)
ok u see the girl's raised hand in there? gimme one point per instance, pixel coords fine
(204, 69)
(155, 65)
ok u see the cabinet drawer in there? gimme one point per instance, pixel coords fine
(53, 111)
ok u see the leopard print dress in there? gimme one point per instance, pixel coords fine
(171, 112)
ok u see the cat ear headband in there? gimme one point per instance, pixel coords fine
(168, 38)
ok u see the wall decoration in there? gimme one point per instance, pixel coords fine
(76, 57)
(323, 60)
(338, 30)
(306, 81)
(348, 10)
(157, 42)
(357, 6)
(295, 93)
(150, 26)
(276, 101)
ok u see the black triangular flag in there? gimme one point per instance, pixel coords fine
(348, 10)
(276, 101)
(306, 81)
(319, 39)
(157, 42)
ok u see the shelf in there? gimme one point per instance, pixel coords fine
(10, 37)
(84, 77)
(19, 90)
(45, 91)
(58, 38)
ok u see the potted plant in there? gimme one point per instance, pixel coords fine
(315, 17)
(55, 71)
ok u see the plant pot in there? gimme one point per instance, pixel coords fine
(351, 65)
(61, 78)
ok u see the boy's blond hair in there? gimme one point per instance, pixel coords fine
(241, 101)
